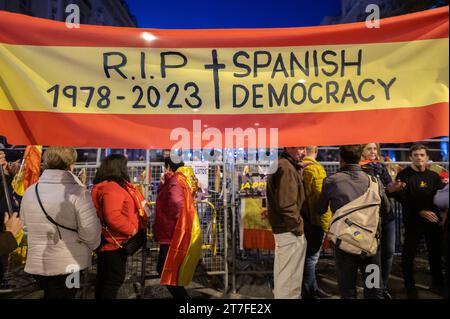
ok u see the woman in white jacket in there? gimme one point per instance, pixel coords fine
(62, 225)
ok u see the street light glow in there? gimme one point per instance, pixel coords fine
(148, 36)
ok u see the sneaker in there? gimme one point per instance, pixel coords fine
(320, 293)
(386, 294)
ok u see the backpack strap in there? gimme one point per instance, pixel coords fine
(50, 219)
(375, 182)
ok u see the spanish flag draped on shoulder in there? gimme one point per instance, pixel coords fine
(103, 86)
(186, 245)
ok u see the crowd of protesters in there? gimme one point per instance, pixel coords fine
(66, 223)
(300, 198)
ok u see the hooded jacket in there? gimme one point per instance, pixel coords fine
(313, 177)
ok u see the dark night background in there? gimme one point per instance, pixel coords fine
(231, 14)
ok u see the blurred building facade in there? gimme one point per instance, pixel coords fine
(355, 10)
(96, 12)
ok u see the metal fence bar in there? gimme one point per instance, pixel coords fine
(233, 226)
(225, 222)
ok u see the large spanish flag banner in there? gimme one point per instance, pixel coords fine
(125, 87)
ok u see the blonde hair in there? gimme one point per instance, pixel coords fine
(379, 157)
(310, 150)
(59, 157)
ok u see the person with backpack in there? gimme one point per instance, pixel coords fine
(356, 201)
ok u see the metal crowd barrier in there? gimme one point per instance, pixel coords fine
(260, 262)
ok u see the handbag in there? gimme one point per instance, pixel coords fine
(131, 245)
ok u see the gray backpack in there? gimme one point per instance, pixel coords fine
(354, 226)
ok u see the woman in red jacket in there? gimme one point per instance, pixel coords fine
(121, 214)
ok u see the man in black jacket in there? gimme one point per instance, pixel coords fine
(421, 218)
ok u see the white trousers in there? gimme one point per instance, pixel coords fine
(290, 251)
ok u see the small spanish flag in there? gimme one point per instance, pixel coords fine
(186, 245)
(29, 170)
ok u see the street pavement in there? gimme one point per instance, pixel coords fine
(248, 286)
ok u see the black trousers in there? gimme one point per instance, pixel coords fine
(3, 267)
(111, 269)
(177, 292)
(55, 287)
(446, 253)
(414, 231)
(347, 266)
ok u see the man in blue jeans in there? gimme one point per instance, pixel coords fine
(338, 190)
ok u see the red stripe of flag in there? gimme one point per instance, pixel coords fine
(153, 131)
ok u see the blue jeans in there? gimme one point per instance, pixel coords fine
(387, 249)
(314, 237)
(347, 266)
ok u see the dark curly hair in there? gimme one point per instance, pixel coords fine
(351, 154)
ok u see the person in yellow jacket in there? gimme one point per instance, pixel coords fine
(315, 224)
